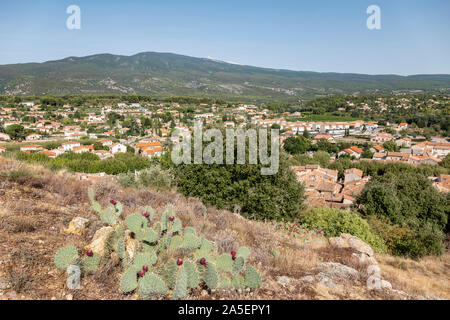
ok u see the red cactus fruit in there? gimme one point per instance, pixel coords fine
(233, 253)
(203, 261)
(179, 262)
(172, 218)
(146, 214)
(145, 268)
(89, 253)
(141, 273)
(112, 202)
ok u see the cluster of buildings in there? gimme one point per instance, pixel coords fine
(323, 188)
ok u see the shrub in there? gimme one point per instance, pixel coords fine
(334, 222)
(408, 199)
(428, 240)
(277, 196)
(153, 178)
(394, 236)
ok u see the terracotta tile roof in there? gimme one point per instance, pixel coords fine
(354, 171)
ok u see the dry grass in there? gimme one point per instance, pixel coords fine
(428, 277)
(37, 205)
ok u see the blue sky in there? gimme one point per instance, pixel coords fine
(321, 35)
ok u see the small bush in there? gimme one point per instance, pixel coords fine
(153, 178)
(334, 222)
(393, 235)
(428, 240)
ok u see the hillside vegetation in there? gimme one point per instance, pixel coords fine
(163, 74)
(37, 204)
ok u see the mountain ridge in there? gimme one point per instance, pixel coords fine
(163, 74)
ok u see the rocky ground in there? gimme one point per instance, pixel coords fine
(37, 206)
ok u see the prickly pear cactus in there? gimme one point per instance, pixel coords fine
(159, 257)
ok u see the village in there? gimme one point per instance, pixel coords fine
(108, 130)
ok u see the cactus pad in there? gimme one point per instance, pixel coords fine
(128, 281)
(151, 285)
(252, 278)
(65, 256)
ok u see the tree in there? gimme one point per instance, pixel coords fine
(275, 126)
(367, 154)
(445, 162)
(409, 200)
(296, 145)
(15, 131)
(242, 187)
(306, 134)
(390, 146)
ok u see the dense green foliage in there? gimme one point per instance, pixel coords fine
(296, 145)
(89, 163)
(242, 188)
(334, 222)
(408, 200)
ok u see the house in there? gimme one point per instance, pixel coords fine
(442, 183)
(377, 149)
(58, 151)
(436, 149)
(352, 175)
(33, 136)
(326, 137)
(2, 149)
(83, 148)
(353, 151)
(102, 154)
(379, 156)
(397, 156)
(4, 137)
(48, 153)
(105, 142)
(406, 142)
(117, 148)
(31, 148)
(69, 145)
(402, 126)
(27, 104)
(382, 137)
(152, 151)
(424, 160)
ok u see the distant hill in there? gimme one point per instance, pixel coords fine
(167, 74)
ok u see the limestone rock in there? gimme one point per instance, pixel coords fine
(348, 241)
(364, 258)
(100, 239)
(77, 226)
(386, 284)
(308, 278)
(337, 270)
(324, 280)
(284, 280)
(374, 269)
